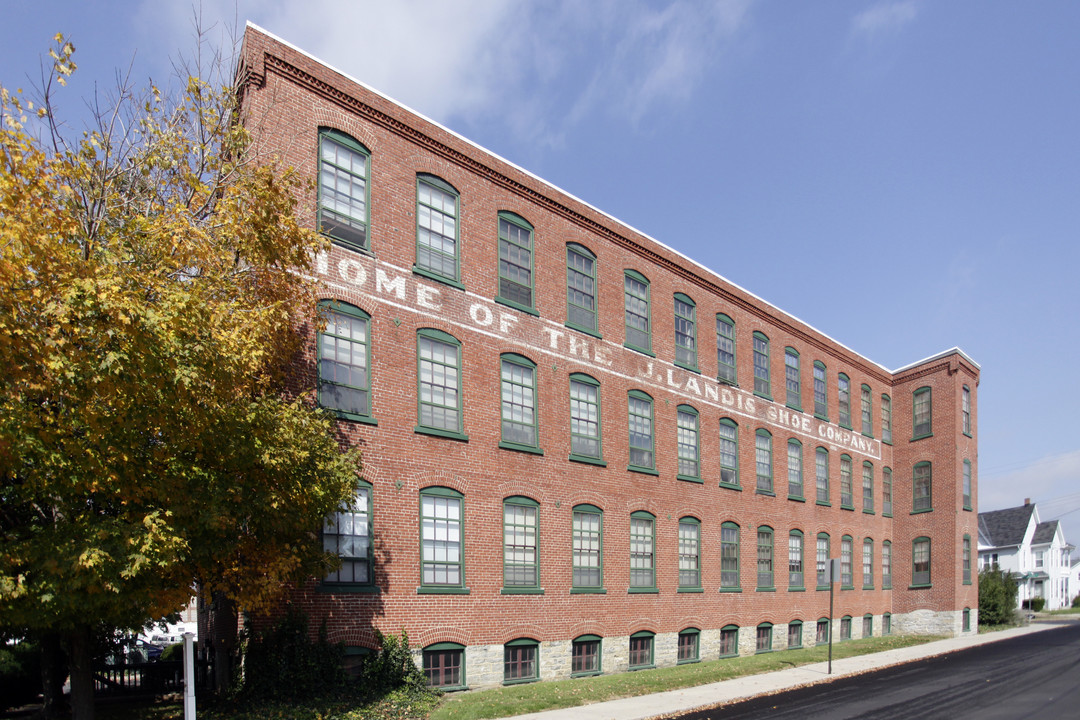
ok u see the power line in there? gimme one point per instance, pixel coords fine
(997, 471)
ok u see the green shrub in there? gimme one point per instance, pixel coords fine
(20, 674)
(283, 663)
(1076, 602)
(172, 652)
(1037, 604)
(997, 596)
(390, 668)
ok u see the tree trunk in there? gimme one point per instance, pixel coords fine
(82, 674)
(53, 672)
(223, 642)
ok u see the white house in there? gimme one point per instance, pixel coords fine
(1034, 552)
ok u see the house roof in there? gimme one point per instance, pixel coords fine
(1000, 528)
(1044, 532)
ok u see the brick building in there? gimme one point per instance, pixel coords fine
(584, 452)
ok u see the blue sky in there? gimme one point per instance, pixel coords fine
(904, 176)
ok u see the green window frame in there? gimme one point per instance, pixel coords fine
(689, 554)
(638, 317)
(689, 444)
(796, 575)
(922, 488)
(886, 624)
(794, 469)
(765, 574)
(729, 641)
(442, 541)
(763, 638)
(792, 378)
(729, 557)
(521, 546)
(587, 538)
(344, 192)
(642, 437)
(821, 475)
(519, 404)
(922, 413)
(689, 650)
(966, 620)
(642, 552)
(821, 560)
(967, 484)
(794, 634)
(886, 565)
(847, 490)
(847, 551)
(725, 350)
(886, 492)
(762, 384)
(821, 391)
(965, 410)
(521, 661)
(845, 628)
(965, 559)
(641, 650)
(822, 631)
(437, 238)
(685, 332)
(920, 562)
(586, 655)
(886, 419)
(868, 564)
(866, 411)
(843, 400)
(344, 361)
(729, 453)
(438, 375)
(444, 666)
(585, 437)
(581, 289)
(516, 262)
(348, 535)
(763, 461)
(868, 625)
(868, 487)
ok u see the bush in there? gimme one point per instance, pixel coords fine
(283, 663)
(172, 652)
(390, 668)
(997, 596)
(1076, 602)
(20, 674)
(1035, 604)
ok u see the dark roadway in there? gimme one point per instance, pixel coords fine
(1031, 676)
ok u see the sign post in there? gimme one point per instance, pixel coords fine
(189, 676)
(834, 577)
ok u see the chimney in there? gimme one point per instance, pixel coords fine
(1027, 501)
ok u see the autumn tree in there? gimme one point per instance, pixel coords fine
(155, 289)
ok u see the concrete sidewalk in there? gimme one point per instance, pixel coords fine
(703, 696)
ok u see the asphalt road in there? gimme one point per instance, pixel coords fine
(1031, 676)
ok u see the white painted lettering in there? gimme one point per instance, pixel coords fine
(322, 262)
(727, 397)
(600, 357)
(480, 314)
(671, 379)
(506, 322)
(578, 347)
(359, 276)
(750, 405)
(553, 337)
(427, 297)
(692, 385)
(711, 392)
(383, 283)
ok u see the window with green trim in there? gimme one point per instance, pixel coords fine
(922, 414)
(584, 418)
(689, 645)
(689, 553)
(847, 490)
(867, 486)
(581, 288)
(843, 400)
(821, 392)
(438, 359)
(794, 634)
(764, 637)
(886, 492)
(821, 636)
(588, 544)
(868, 564)
(444, 666)
(966, 558)
(518, 374)
(886, 624)
(343, 189)
(765, 558)
(920, 562)
(688, 447)
(436, 228)
(822, 561)
(642, 440)
(521, 544)
(521, 661)
(966, 622)
(729, 452)
(762, 386)
(642, 550)
(965, 409)
(886, 419)
(442, 562)
(763, 455)
(886, 565)
(725, 350)
(729, 641)
(868, 625)
(347, 534)
(585, 655)
(845, 628)
(821, 475)
(792, 379)
(344, 361)
(866, 407)
(641, 650)
(795, 560)
(794, 468)
(967, 484)
(729, 556)
(685, 332)
(515, 261)
(638, 317)
(847, 581)
(921, 487)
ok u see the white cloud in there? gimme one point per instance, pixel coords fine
(884, 17)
